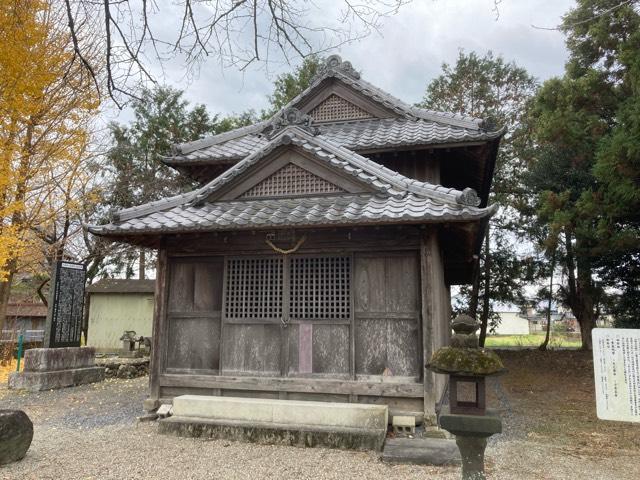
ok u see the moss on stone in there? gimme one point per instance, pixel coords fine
(471, 361)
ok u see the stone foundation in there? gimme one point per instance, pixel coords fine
(118, 367)
(283, 422)
(53, 368)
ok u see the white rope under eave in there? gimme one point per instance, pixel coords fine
(294, 249)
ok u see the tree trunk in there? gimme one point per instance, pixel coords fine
(544, 344)
(142, 266)
(486, 297)
(5, 292)
(581, 293)
(587, 317)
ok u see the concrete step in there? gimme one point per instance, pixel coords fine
(290, 412)
(421, 451)
(284, 422)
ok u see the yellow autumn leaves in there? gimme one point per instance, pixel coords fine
(47, 105)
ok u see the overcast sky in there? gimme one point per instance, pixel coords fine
(406, 54)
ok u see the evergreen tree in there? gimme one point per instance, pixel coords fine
(136, 173)
(288, 85)
(586, 165)
(488, 87)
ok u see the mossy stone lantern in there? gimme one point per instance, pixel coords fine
(466, 364)
(469, 421)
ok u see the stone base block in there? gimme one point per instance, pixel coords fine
(285, 412)
(283, 422)
(38, 381)
(274, 433)
(421, 451)
(55, 359)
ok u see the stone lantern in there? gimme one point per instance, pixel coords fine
(468, 418)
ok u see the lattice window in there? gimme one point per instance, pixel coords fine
(337, 108)
(320, 288)
(291, 180)
(254, 288)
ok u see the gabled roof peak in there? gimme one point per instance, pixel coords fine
(334, 63)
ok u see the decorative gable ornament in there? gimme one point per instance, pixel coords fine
(334, 63)
(468, 196)
(288, 117)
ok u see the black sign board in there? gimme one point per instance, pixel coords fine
(66, 299)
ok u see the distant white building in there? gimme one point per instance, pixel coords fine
(512, 321)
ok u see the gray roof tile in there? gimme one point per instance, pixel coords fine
(396, 199)
(315, 211)
(360, 135)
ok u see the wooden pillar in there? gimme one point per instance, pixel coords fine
(158, 332)
(434, 317)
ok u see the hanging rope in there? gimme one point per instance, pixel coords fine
(291, 250)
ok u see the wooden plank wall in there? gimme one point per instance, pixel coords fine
(399, 298)
(193, 315)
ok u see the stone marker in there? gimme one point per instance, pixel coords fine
(16, 433)
(52, 368)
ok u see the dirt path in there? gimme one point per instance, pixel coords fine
(551, 432)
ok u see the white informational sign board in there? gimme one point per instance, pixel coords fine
(616, 365)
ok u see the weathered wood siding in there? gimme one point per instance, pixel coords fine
(387, 314)
(373, 353)
(193, 314)
(435, 315)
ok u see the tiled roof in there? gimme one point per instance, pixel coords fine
(411, 126)
(353, 209)
(360, 135)
(394, 198)
(15, 310)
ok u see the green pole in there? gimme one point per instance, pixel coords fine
(20, 342)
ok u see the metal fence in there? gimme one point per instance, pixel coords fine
(30, 336)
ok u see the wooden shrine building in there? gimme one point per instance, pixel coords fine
(315, 261)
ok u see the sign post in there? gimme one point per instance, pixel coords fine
(616, 365)
(66, 300)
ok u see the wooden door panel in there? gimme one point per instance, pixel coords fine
(387, 336)
(194, 312)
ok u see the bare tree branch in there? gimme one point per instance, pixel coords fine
(237, 33)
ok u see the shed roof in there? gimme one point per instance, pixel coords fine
(119, 285)
(26, 310)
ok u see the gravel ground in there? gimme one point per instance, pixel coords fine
(90, 432)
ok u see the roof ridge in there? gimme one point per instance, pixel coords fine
(188, 147)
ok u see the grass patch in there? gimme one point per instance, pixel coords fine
(532, 340)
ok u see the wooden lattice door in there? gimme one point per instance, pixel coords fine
(287, 315)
